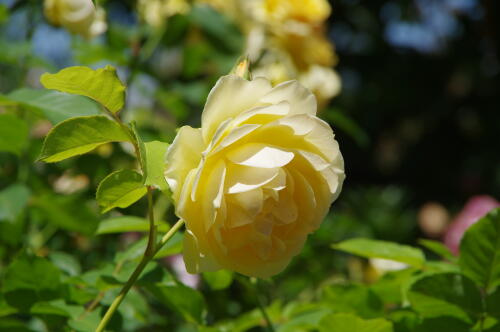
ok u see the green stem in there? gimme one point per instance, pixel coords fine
(135, 275)
(261, 305)
(150, 249)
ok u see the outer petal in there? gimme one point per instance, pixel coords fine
(301, 100)
(230, 96)
(182, 156)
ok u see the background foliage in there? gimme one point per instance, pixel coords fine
(417, 121)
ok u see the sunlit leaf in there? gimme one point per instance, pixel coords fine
(120, 189)
(80, 135)
(382, 249)
(350, 323)
(102, 85)
(155, 164)
(127, 224)
(219, 279)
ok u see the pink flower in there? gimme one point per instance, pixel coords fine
(473, 210)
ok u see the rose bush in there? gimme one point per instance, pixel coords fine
(255, 179)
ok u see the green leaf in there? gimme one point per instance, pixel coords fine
(303, 316)
(351, 323)
(480, 251)
(54, 105)
(127, 224)
(442, 324)
(13, 134)
(219, 279)
(155, 164)
(357, 299)
(13, 200)
(102, 85)
(382, 249)
(493, 304)
(29, 280)
(446, 294)
(80, 135)
(173, 246)
(67, 212)
(136, 250)
(182, 299)
(86, 324)
(120, 189)
(66, 262)
(438, 248)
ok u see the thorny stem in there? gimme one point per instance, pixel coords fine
(135, 275)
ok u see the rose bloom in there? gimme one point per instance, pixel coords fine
(77, 16)
(256, 178)
(475, 208)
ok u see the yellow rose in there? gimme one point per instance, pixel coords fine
(255, 179)
(77, 16)
(307, 11)
(156, 12)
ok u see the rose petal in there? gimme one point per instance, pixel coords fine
(260, 155)
(213, 190)
(242, 178)
(182, 156)
(195, 260)
(301, 100)
(230, 96)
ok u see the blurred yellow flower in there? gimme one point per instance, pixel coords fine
(307, 11)
(77, 16)
(256, 178)
(287, 41)
(156, 12)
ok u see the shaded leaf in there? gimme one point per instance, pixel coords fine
(120, 189)
(441, 324)
(80, 135)
(382, 249)
(54, 105)
(446, 294)
(357, 299)
(480, 251)
(438, 248)
(13, 200)
(66, 262)
(29, 280)
(67, 212)
(13, 134)
(102, 85)
(182, 299)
